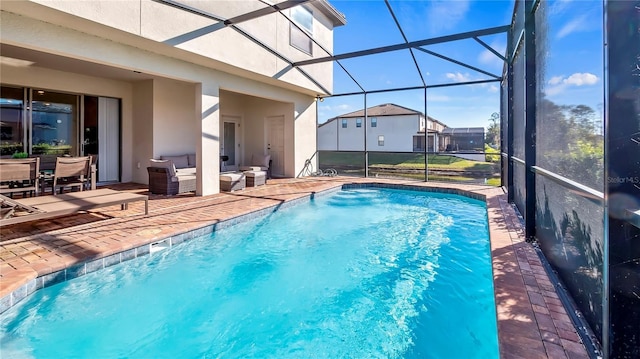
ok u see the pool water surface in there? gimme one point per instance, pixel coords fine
(359, 273)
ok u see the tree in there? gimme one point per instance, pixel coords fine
(492, 138)
(568, 142)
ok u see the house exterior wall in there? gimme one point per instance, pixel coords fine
(305, 139)
(433, 125)
(350, 138)
(141, 150)
(398, 134)
(178, 93)
(328, 136)
(190, 36)
(174, 120)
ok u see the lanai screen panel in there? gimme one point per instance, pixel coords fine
(569, 143)
(518, 139)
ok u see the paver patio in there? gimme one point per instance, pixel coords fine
(532, 323)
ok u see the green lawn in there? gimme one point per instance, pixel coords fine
(401, 160)
(411, 166)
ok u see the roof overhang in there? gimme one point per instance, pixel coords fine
(336, 17)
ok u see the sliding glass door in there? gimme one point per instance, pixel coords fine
(12, 118)
(42, 122)
(54, 123)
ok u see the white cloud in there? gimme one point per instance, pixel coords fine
(555, 80)
(578, 24)
(446, 14)
(559, 84)
(581, 78)
(560, 6)
(342, 107)
(487, 57)
(458, 77)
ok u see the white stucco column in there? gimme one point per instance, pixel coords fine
(208, 146)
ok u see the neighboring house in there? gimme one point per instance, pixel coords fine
(390, 128)
(464, 139)
(136, 79)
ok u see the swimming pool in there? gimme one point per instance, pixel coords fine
(358, 273)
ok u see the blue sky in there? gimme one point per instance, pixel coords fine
(572, 59)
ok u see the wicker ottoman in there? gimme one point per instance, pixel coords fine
(256, 178)
(232, 181)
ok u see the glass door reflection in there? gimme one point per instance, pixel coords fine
(54, 123)
(12, 112)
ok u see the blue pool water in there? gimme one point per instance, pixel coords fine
(362, 273)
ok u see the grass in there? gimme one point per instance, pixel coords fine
(402, 161)
(411, 166)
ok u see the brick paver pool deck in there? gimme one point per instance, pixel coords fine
(532, 322)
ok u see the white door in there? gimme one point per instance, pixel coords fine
(275, 144)
(108, 139)
(230, 144)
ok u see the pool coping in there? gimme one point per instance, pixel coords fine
(526, 300)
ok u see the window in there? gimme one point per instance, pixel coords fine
(358, 122)
(301, 39)
(12, 110)
(344, 123)
(381, 140)
(374, 122)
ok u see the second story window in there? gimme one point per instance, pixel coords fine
(358, 122)
(374, 122)
(344, 123)
(301, 39)
(381, 140)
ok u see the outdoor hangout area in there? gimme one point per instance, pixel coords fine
(42, 194)
(333, 179)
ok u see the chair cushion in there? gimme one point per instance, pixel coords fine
(181, 161)
(265, 161)
(168, 164)
(231, 176)
(255, 174)
(181, 176)
(259, 162)
(186, 171)
(251, 168)
(192, 159)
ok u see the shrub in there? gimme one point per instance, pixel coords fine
(20, 155)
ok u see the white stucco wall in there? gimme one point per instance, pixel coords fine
(175, 129)
(304, 135)
(328, 136)
(188, 36)
(142, 147)
(352, 137)
(398, 134)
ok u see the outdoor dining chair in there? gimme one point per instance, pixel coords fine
(71, 172)
(19, 175)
